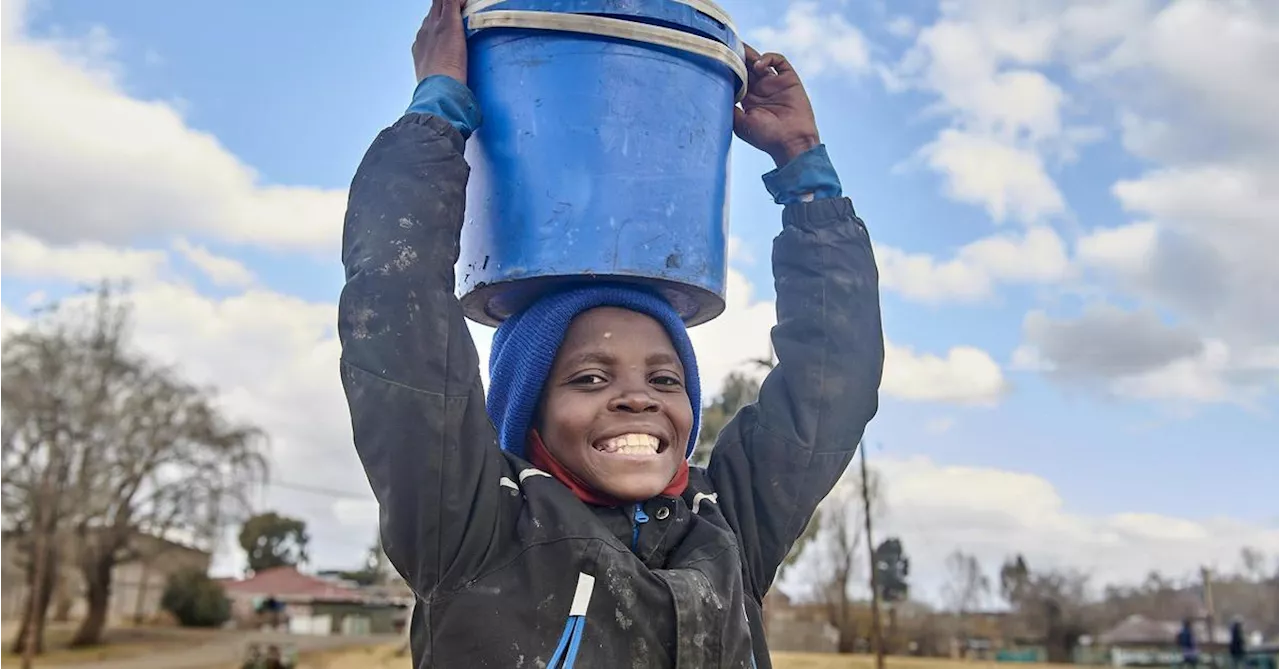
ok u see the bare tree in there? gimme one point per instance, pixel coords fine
(837, 548)
(44, 443)
(130, 447)
(967, 585)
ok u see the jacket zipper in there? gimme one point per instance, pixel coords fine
(566, 653)
(640, 518)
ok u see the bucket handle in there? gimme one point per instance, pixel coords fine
(615, 28)
(707, 7)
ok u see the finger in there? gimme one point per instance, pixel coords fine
(752, 54)
(773, 74)
(779, 62)
(739, 121)
(767, 86)
(767, 61)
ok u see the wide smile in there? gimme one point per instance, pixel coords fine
(635, 444)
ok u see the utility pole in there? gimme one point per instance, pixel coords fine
(1207, 577)
(1276, 583)
(877, 637)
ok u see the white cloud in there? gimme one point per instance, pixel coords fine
(1038, 255)
(1197, 377)
(273, 361)
(130, 168)
(10, 322)
(1008, 181)
(966, 375)
(1197, 85)
(222, 271)
(1004, 114)
(1124, 250)
(1136, 354)
(961, 62)
(816, 43)
(28, 257)
(993, 514)
(1193, 88)
(738, 252)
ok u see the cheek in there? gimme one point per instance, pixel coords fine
(682, 417)
(563, 420)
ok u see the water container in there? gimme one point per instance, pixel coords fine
(604, 152)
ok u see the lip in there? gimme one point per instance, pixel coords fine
(664, 441)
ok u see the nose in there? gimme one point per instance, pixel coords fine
(634, 401)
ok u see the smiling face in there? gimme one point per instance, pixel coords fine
(615, 410)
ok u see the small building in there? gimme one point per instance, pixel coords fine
(136, 584)
(1141, 641)
(319, 606)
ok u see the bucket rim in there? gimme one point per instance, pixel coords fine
(707, 7)
(633, 31)
(492, 303)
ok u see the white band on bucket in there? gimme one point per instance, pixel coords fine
(615, 28)
(705, 6)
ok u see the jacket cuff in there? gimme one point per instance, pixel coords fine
(446, 97)
(819, 213)
(808, 177)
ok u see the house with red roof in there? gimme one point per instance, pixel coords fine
(316, 605)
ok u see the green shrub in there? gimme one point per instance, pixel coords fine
(195, 599)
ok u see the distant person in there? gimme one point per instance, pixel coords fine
(1237, 644)
(253, 658)
(1187, 644)
(274, 661)
(273, 607)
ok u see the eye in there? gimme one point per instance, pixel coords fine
(668, 380)
(588, 379)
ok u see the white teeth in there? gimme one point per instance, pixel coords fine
(631, 444)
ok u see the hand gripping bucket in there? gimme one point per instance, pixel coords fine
(604, 152)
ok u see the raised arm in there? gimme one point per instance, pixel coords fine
(409, 366)
(779, 457)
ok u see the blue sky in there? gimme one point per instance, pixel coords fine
(296, 91)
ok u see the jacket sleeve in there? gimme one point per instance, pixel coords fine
(409, 366)
(780, 456)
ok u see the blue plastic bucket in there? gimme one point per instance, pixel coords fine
(601, 156)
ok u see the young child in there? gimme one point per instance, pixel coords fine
(559, 524)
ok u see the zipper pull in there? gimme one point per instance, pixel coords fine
(640, 518)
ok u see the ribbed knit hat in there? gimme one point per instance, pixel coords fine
(525, 346)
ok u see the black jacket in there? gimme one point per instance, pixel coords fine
(495, 549)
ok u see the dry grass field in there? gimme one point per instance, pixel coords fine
(122, 642)
(383, 657)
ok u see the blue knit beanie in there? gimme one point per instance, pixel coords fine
(526, 344)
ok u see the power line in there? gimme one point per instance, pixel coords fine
(319, 490)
